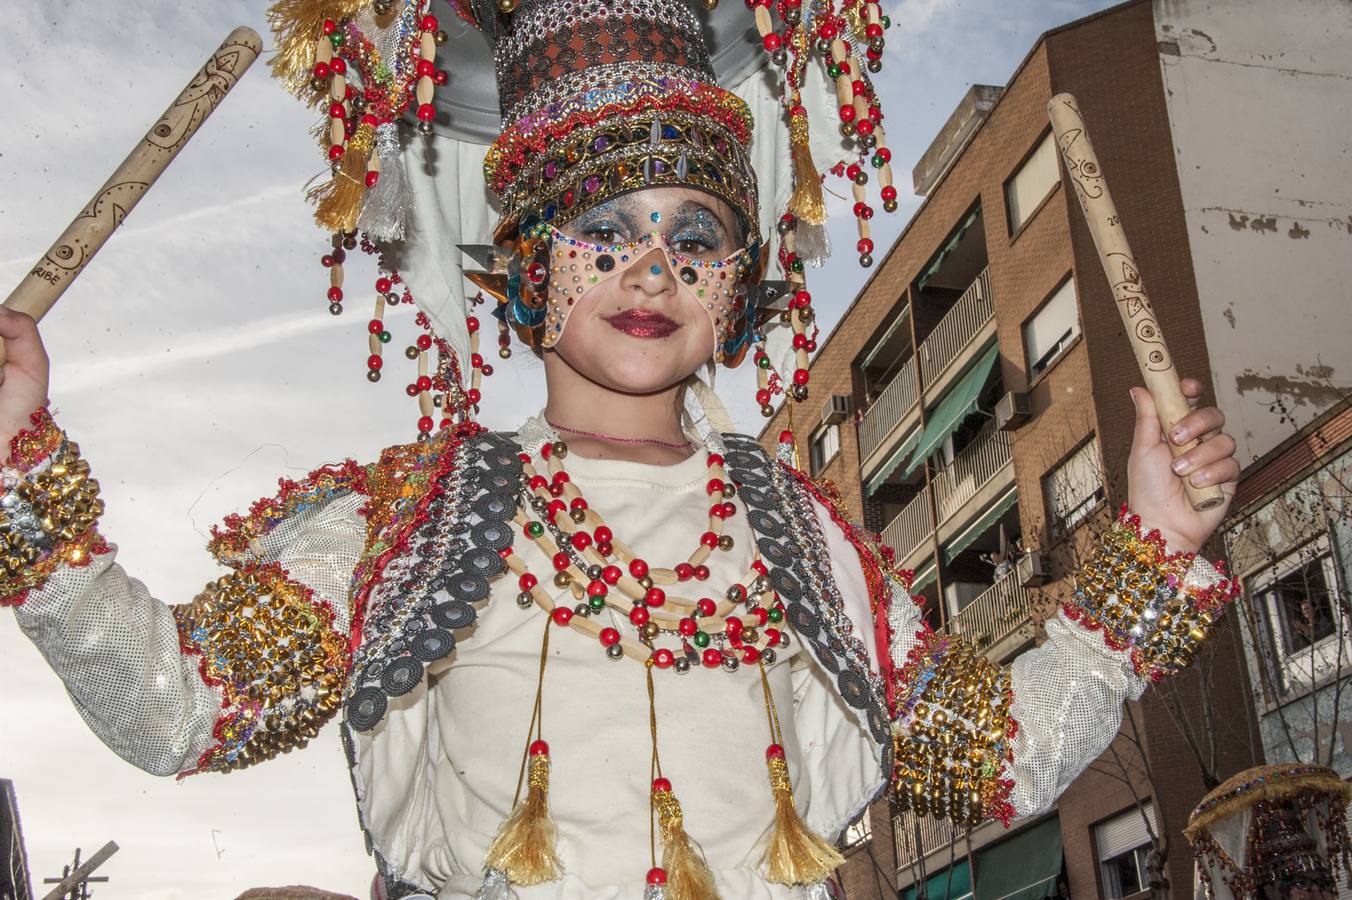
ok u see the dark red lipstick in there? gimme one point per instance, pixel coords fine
(642, 323)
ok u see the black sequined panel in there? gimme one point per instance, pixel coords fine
(791, 542)
(428, 593)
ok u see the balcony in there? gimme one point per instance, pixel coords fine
(974, 471)
(1000, 612)
(956, 330)
(933, 833)
(889, 409)
(911, 527)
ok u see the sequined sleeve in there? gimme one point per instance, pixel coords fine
(976, 741)
(249, 668)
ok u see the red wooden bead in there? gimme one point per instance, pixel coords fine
(561, 561)
(663, 658)
(685, 571)
(662, 784)
(713, 658)
(846, 113)
(657, 876)
(750, 655)
(715, 460)
(581, 540)
(709, 539)
(611, 574)
(424, 342)
(772, 42)
(715, 486)
(774, 751)
(597, 588)
(701, 573)
(539, 748)
(425, 424)
(562, 615)
(537, 482)
(609, 636)
(655, 596)
(762, 615)
(706, 607)
(734, 625)
(527, 581)
(638, 568)
(605, 549)
(335, 294)
(577, 503)
(801, 376)
(428, 23)
(639, 615)
(427, 112)
(603, 535)
(374, 362)
(729, 510)
(687, 627)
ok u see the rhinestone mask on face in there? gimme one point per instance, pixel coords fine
(575, 267)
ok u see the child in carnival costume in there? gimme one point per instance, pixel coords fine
(607, 655)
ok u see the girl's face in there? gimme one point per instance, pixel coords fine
(643, 330)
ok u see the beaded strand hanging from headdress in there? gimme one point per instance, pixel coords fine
(598, 99)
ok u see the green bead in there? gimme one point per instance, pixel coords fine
(776, 615)
(535, 529)
(700, 640)
(597, 603)
(877, 161)
(384, 337)
(833, 70)
(887, 22)
(763, 362)
(336, 39)
(796, 266)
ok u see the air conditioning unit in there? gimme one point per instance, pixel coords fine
(836, 409)
(1012, 410)
(1032, 569)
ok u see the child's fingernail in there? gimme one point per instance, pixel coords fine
(1199, 480)
(1180, 465)
(1179, 435)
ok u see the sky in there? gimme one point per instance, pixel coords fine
(195, 362)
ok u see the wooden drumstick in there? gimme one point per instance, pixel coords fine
(53, 273)
(1157, 366)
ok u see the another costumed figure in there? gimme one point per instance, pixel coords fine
(705, 671)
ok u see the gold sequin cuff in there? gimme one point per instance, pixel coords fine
(272, 648)
(952, 733)
(49, 507)
(1157, 605)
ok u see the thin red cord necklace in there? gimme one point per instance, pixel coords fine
(619, 440)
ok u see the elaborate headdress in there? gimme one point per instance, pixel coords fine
(1272, 829)
(583, 100)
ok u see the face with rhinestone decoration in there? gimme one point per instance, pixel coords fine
(642, 289)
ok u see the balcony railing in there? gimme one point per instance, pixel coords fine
(911, 526)
(933, 834)
(955, 330)
(892, 404)
(975, 465)
(994, 614)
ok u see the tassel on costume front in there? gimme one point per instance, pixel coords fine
(339, 200)
(385, 210)
(297, 23)
(808, 203)
(524, 848)
(795, 855)
(687, 874)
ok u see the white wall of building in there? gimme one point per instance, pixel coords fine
(1260, 106)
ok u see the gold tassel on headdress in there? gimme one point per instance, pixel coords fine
(684, 874)
(523, 850)
(339, 200)
(296, 24)
(795, 855)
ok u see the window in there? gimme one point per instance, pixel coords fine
(1050, 330)
(824, 446)
(858, 833)
(1030, 185)
(1300, 603)
(1123, 844)
(1073, 489)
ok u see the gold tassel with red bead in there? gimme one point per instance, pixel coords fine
(523, 851)
(688, 875)
(339, 200)
(795, 855)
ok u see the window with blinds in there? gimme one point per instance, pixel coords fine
(1123, 843)
(1073, 488)
(1031, 183)
(1051, 330)
(823, 447)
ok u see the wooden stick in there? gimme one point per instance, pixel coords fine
(1157, 366)
(73, 880)
(58, 268)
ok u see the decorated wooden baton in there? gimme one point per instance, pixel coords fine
(50, 276)
(1157, 366)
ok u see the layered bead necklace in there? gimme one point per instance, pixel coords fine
(666, 631)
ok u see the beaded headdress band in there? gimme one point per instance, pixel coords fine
(598, 98)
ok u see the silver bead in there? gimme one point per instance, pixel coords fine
(582, 610)
(594, 572)
(682, 666)
(425, 128)
(524, 600)
(614, 651)
(730, 663)
(783, 639)
(768, 656)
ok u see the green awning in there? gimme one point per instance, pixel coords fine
(955, 406)
(937, 263)
(964, 538)
(954, 883)
(894, 459)
(924, 575)
(1025, 867)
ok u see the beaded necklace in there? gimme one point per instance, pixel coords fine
(585, 555)
(672, 445)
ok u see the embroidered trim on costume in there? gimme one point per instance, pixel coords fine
(271, 647)
(237, 533)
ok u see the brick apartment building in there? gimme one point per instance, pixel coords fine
(974, 401)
